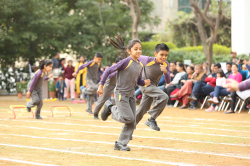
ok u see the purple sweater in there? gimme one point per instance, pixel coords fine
(244, 85)
(121, 65)
(37, 80)
(153, 69)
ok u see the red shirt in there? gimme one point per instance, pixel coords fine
(211, 81)
(68, 72)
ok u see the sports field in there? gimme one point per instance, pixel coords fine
(186, 138)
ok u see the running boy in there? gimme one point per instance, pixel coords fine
(35, 87)
(128, 75)
(108, 89)
(91, 79)
(153, 69)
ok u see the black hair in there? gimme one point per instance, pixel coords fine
(60, 75)
(181, 65)
(61, 60)
(235, 65)
(191, 67)
(46, 62)
(206, 62)
(221, 72)
(173, 62)
(218, 65)
(229, 63)
(120, 45)
(98, 55)
(161, 47)
(119, 58)
(58, 53)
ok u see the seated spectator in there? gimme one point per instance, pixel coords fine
(221, 91)
(186, 90)
(184, 78)
(173, 70)
(216, 67)
(173, 84)
(234, 57)
(205, 67)
(243, 70)
(229, 69)
(212, 69)
(204, 88)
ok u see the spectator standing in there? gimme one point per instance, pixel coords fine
(55, 61)
(60, 86)
(62, 62)
(234, 58)
(80, 78)
(69, 80)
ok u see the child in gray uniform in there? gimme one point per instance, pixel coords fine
(35, 87)
(91, 79)
(107, 91)
(128, 76)
(153, 69)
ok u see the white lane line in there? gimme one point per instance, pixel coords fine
(100, 155)
(178, 132)
(25, 162)
(164, 138)
(148, 147)
(201, 119)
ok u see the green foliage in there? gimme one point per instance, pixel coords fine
(149, 47)
(217, 49)
(183, 32)
(196, 57)
(32, 29)
(52, 87)
(19, 87)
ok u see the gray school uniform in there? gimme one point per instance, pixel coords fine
(35, 87)
(107, 91)
(153, 72)
(128, 76)
(91, 78)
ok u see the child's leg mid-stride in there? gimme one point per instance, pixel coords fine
(124, 112)
(149, 93)
(107, 91)
(90, 102)
(36, 100)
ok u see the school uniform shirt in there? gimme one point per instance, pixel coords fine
(92, 70)
(152, 70)
(37, 80)
(128, 76)
(68, 72)
(111, 81)
(244, 85)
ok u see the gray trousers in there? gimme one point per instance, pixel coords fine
(124, 112)
(107, 91)
(149, 93)
(36, 100)
(91, 91)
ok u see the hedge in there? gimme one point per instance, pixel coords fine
(148, 48)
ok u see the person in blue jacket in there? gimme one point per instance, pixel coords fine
(60, 86)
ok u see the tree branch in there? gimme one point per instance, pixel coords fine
(217, 24)
(207, 7)
(138, 12)
(210, 23)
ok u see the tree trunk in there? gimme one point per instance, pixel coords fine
(135, 14)
(194, 37)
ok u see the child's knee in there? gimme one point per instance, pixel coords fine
(128, 119)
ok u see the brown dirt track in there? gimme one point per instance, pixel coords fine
(186, 138)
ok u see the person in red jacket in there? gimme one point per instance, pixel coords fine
(203, 88)
(69, 80)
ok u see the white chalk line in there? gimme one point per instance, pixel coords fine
(25, 162)
(99, 155)
(164, 138)
(200, 119)
(148, 147)
(178, 132)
